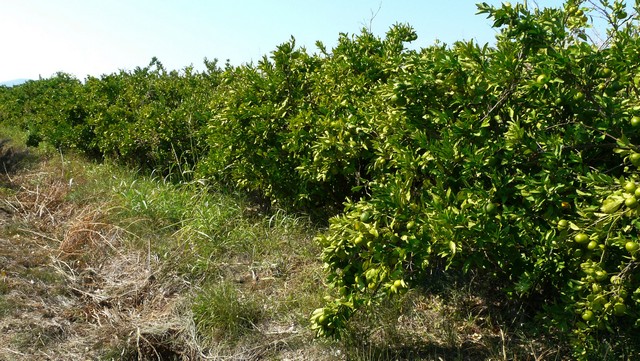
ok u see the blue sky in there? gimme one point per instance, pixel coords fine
(94, 37)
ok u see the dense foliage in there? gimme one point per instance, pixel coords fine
(148, 117)
(516, 161)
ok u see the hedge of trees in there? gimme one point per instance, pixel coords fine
(516, 161)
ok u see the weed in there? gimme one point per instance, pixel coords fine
(223, 313)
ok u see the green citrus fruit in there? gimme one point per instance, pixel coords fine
(619, 309)
(630, 187)
(632, 247)
(490, 208)
(598, 303)
(365, 217)
(592, 245)
(635, 159)
(563, 224)
(623, 293)
(601, 275)
(541, 79)
(635, 121)
(631, 202)
(587, 315)
(581, 238)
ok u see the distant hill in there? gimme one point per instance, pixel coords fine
(14, 82)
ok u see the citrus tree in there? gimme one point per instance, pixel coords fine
(50, 110)
(515, 161)
(150, 117)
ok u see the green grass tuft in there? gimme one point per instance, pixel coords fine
(223, 313)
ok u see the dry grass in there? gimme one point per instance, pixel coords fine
(71, 287)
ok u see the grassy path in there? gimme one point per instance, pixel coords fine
(78, 283)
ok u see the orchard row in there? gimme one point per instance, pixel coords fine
(517, 161)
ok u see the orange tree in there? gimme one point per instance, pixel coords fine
(251, 111)
(48, 109)
(297, 128)
(515, 161)
(150, 117)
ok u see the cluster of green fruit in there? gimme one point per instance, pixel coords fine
(608, 289)
(606, 295)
